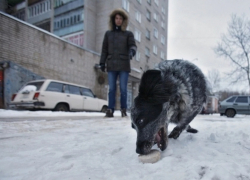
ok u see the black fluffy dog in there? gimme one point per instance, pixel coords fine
(174, 92)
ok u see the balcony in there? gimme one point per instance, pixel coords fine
(68, 7)
(69, 30)
(39, 12)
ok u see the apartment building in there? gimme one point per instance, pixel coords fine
(84, 22)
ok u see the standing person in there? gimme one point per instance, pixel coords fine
(118, 49)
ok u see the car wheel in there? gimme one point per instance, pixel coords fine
(104, 109)
(61, 107)
(230, 113)
(221, 114)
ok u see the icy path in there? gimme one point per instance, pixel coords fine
(105, 149)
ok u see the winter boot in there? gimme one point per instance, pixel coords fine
(109, 113)
(123, 111)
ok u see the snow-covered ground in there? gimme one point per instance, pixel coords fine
(105, 149)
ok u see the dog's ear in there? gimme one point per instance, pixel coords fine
(151, 88)
(149, 80)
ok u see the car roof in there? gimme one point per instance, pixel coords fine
(53, 80)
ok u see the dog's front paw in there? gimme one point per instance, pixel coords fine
(175, 133)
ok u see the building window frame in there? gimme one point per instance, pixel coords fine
(163, 10)
(147, 51)
(163, 25)
(137, 35)
(155, 33)
(156, 17)
(156, 2)
(162, 55)
(147, 34)
(163, 39)
(125, 5)
(137, 56)
(148, 15)
(155, 49)
(138, 16)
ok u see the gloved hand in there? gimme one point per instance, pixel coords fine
(102, 65)
(131, 53)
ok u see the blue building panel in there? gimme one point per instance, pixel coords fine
(68, 7)
(69, 30)
(41, 17)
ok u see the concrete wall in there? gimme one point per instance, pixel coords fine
(48, 55)
(15, 77)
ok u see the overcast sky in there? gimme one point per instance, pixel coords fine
(195, 27)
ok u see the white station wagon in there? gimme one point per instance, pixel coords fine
(57, 95)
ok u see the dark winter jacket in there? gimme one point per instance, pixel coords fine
(117, 44)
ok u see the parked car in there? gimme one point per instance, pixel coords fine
(235, 105)
(57, 95)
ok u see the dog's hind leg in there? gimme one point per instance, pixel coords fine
(191, 130)
(184, 123)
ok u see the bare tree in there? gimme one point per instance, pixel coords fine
(214, 79)
(235, 46)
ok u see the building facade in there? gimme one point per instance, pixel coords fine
(84, 23)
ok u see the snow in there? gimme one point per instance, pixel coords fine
(28, 88)
(104, 148)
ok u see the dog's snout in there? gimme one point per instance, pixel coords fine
(143, 147)
(138, 151)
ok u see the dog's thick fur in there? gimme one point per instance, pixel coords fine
(174, 92)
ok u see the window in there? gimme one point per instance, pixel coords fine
(66, 88)
(149, 2)
(231, 99)
(163, 10)
(156, 17)
(54, 86)
(147, 34)
(155, 33)
(148, 15)
(138, 16)
(137, 35)
(162, 55)
(37, 84)
(155, 49)
(147, 51)
(125, 5)
(242, 99)
(74, 90)
(157, 2)
(137, 56)
(163, 25)
(87, 92)
(162, 39)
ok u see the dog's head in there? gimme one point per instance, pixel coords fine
(149, 112)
